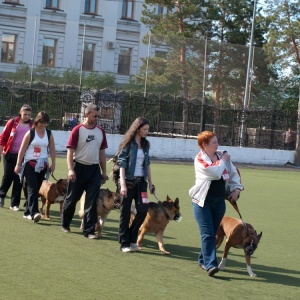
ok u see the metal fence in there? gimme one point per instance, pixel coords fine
(169, 115)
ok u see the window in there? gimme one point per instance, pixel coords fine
(8, 48)
(88, 57)
(124, 61)
(90, 6)
(52, 4)
(128, 9)
(48, 59)
(162, 10)
(161, 54)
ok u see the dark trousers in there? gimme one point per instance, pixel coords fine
(9, 177)
(128, 234)
(34, 181)
(88, 179)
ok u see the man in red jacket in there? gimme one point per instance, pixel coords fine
(10, 142)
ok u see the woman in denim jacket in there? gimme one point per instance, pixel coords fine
(134, 163)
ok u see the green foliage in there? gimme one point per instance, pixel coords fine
(71, 76)
(182, 33)
(99, 81)
(22, 73)
(282, 21)
(46, 74)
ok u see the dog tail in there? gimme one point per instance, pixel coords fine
(219, 237)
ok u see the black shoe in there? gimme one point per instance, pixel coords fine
(212, 271)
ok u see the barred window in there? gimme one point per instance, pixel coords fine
(124, 61)
(90, 6)
(49, 50)
(8, 48)
(52, 4)
(88, 57)
(128, 9)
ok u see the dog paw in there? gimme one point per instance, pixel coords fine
(222, 264)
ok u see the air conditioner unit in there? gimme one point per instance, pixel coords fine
(110, 45)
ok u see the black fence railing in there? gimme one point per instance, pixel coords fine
(262, 128)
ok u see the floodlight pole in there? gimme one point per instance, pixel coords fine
(248, 77)
(202, 125)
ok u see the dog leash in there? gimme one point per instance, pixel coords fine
(233, 203)
(53, 177)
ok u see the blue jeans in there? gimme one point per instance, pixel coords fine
(209, 218)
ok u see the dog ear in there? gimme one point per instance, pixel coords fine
(168, 198)
(259, 236)
(176, 202)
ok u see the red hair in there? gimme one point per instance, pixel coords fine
(204, 137)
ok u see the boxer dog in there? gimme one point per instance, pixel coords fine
(158, 216)
(238, 235)
(106, 202)
(52, 192)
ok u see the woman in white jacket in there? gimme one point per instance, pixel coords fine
(216, 176)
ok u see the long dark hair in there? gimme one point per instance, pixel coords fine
(131, 132)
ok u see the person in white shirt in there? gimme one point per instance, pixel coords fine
(33, 162)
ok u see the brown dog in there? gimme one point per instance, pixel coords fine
(106, 202)
(238, 235)
(158, 216)
(50, 193)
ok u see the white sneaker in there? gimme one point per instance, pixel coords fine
(134, 247)
(27, 217)
(36, 217)
(125, 249)
(15, 208)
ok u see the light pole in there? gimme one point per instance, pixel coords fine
(248, 77)
(203, 88)
(147, 66)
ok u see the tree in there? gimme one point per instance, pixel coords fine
(283, 44)
(183, 30)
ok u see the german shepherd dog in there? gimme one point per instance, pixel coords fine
(157, 218)
(106, 202)
(238, 235)
(50, 193)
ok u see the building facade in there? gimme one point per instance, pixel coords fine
(89, 35)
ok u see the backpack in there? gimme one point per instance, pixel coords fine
(32, 134)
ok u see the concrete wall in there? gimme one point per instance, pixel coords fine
(186, 149)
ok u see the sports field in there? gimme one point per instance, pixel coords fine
(39, 261)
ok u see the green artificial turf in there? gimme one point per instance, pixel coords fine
(39, 261)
